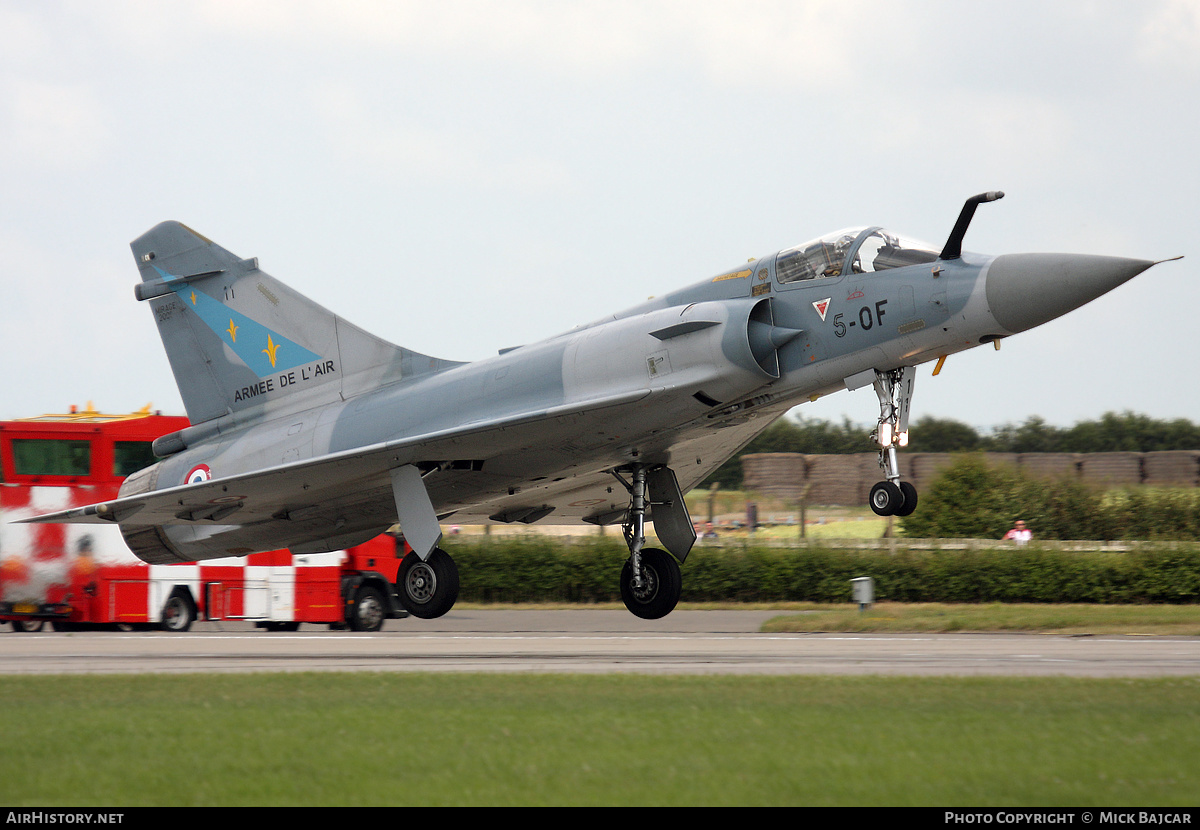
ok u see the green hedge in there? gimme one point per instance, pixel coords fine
(974, 499)
(546, 570)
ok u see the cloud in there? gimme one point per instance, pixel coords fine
(774, 41)
(55, 125)
(387, 142)
(1170, 37)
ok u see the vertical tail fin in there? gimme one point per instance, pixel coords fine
(239, 339)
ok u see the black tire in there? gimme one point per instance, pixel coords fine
(886, 498)
(368, 611)
(909, 494)
(28, 626)
(661, 585)
(427, 589)
(178, 613)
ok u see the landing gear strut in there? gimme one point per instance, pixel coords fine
(894, 389)
(650, 580)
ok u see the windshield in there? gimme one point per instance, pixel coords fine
(820, 258)
(868, 249)
(880, 250)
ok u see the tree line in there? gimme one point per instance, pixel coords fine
(1112, 432)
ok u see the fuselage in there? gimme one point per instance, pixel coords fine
(682, 380)
(749, 335)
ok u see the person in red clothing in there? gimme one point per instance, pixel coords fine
(1019, 533)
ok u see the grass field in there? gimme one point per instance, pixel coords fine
(1178, 620)
(409, 739)
(351, 739)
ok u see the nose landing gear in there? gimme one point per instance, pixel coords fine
(894, 389)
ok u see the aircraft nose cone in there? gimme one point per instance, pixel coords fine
(1026, 290)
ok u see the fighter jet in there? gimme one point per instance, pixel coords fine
(311, 434)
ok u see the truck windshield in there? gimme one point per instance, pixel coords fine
(51, 457)
(131, 456)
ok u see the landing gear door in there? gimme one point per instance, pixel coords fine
(418, 521)
(672, 524)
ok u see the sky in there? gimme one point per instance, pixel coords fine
(461, 177)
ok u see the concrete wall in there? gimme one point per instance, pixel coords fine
(846, 479)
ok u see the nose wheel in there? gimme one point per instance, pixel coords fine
(893, 499)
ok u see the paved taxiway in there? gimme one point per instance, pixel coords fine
(587, 641)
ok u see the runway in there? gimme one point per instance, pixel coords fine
(587, 641)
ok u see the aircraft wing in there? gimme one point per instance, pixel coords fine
(331, 478)
(534, 466)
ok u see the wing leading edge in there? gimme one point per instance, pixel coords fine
(221, 497)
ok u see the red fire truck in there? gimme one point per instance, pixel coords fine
(83, 576)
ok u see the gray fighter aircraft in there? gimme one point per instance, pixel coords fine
(309, 433)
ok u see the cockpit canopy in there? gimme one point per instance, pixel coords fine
(853, 250)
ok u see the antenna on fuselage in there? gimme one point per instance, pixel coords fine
(953, 247)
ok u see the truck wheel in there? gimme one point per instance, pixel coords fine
(368, 610)
(28, 626)
(178, 613)
(427, 589)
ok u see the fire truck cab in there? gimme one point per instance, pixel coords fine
(83, 576)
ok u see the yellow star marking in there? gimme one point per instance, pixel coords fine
(270, 350)
(232, 331)
(193, 298)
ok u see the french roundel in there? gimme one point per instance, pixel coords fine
(198, 474)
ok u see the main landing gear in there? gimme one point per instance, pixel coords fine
(650, 580)
(427, 588)
(894, 389)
